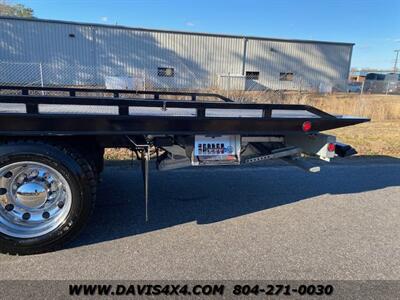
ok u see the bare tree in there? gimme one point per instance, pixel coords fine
(15, 10)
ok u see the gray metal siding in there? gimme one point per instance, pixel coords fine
(34, 43)
(99, 51)
(196, 59)
(311, 64)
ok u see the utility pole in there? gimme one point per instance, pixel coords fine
(395, 62)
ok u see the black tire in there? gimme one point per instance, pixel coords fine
(81, 179)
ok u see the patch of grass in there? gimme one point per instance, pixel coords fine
(118, 154)
(375, 107)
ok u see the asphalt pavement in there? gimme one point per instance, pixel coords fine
(260, 222)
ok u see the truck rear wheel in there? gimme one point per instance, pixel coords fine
(47, 194)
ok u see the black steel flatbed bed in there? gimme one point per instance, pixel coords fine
(74, 114)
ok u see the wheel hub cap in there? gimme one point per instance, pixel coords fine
(32, 195)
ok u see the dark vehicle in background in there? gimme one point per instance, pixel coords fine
(382, 83)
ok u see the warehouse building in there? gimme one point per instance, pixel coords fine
(35, 51)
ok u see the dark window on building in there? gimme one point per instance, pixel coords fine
(286, 76)
(375, 76)
(166, 72)
(370, 76)
(380, 77)
(252, 75)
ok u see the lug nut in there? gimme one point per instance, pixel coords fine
(46, 215)
(21, 178)
(26, 216)
(60, 204)
(9, 207)
(33, 174)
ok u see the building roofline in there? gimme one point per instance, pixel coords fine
(176, 31)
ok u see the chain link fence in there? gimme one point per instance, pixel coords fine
(236, 86)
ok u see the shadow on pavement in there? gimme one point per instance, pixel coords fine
(216, 194)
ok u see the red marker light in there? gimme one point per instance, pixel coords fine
(306, 126)
(331, 147)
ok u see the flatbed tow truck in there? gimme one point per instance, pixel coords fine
(52, 141)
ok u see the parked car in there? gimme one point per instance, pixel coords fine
(354, 87)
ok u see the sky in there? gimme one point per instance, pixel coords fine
(373, 25)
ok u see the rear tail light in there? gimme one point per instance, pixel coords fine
(331, 147)
(306, 126)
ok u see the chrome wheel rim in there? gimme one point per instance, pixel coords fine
(35, 199)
